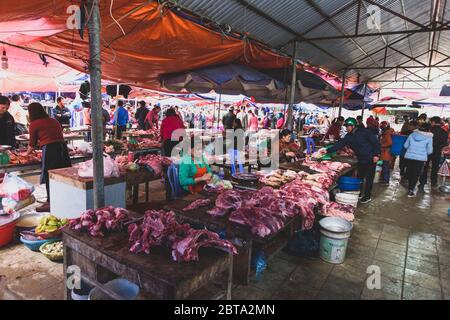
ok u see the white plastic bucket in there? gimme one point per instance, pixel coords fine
(347, 198)
(334, 239)
(124, 288)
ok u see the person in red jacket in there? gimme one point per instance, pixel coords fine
(47, 133)
(169, 124)
(334, 132)
(152, 118)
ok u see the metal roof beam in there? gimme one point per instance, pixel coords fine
(400, 67)
(338, 28)
(434, 19)
(397, 14)
(378, 34)
(299, 36)
(404, 54)
(340, 10)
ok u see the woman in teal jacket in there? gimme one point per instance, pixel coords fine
(194, 172)
(419, 146)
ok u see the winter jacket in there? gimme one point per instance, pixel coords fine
(386, 144)
(62, 115)
(141, 114)
(363, 142)
(440, 139)
(419, 145)
(7, 128)
(228, 120)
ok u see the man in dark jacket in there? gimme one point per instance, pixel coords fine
(367, 149)
(440, 140)
(228, 119)
(61, 113)
(141, 113)
(7, 124)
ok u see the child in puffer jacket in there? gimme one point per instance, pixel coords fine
(419, 146)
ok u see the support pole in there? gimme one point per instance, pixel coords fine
(96, 104)
(218, 112)
(214, 113)
(341, 103)
(364, 100)
(290, 117)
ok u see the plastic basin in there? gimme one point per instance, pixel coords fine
(7, 233)
(349, 184)
(124, 288)
(34, 245)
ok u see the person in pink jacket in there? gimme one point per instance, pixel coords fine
(253, 122)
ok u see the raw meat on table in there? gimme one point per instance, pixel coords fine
(100, 221)
(197, 204)
(161, 228)
(344, 211)
(156, 162)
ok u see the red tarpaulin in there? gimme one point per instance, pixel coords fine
(157, 40)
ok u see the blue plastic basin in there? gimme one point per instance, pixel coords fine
(34, 245)
(349, 184)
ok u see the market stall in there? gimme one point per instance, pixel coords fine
(158, 276)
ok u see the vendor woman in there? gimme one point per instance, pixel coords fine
(195, 172)
(289, 150)
(48, 133)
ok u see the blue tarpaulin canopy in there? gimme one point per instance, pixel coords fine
(226, 79)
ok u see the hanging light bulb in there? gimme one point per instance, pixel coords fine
(4, 60)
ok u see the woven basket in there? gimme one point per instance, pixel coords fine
(53, 257)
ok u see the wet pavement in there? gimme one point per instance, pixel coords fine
(408, 239)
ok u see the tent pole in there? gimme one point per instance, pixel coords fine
(341, 103)
(364, 100)
(289, 120)
(214, 113)
(96, 103)
(218, 112)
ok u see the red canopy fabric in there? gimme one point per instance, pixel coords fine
(157, 41)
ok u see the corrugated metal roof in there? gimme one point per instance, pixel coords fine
(278, 22)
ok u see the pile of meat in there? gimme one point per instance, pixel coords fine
(122, 163)
(305, 196)
(100, 221)
(16, 157)
(146, 143)
(197, 204)
(346, 152)
(155, 162)
(322, 180)
(161, 228)
(343, 211)
(263, 210)
(278, 177)
(327, 166)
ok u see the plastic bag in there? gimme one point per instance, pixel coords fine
(15, 188)
(259, 263)
(11, 206)
(110, 168)
(304, 243)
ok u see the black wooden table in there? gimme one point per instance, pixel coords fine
(159, 277)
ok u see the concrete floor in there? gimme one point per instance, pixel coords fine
(407, 238)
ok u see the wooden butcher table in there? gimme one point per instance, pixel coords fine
(157, 275)
(240, 235)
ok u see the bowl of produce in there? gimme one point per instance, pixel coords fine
(30, 221)
(53, 250)
(34, 244)
(50, 227)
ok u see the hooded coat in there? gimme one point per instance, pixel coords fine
(419, 145)
(386, 144)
